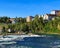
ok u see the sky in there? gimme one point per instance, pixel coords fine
(24, 8)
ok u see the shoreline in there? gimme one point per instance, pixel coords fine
(16, 35)
(30, 35)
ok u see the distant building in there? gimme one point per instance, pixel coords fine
(49, 16)
(29, 19)
(56, 12)
(13, 20)
(45, 17)
(53, 12)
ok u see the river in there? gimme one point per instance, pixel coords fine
(33, 42)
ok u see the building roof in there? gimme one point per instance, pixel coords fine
(51, 14)
(56, 10)
(11, 19)
(30, 16)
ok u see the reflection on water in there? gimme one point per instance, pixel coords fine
(33, 42)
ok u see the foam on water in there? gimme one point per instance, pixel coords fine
(57, 46)
(8, 43)
(31, 41)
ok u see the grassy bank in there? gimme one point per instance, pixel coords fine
(49, 33)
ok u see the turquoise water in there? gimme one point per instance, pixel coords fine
(32, 42)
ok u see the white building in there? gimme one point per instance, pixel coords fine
(56, 12)
(53, 12)
(45, 17)
(49, 16)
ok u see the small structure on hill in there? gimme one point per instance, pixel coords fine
(29, 18)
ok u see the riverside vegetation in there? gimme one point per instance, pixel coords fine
(37, 26)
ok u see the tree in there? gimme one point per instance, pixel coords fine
(3, 29)
(37, 24)
(4, 19)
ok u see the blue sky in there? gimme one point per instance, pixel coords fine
(24, 8)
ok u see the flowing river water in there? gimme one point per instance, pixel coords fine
(33, 42)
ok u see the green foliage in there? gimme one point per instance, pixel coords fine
(4, 19)
(37, 26)
(3, 29)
